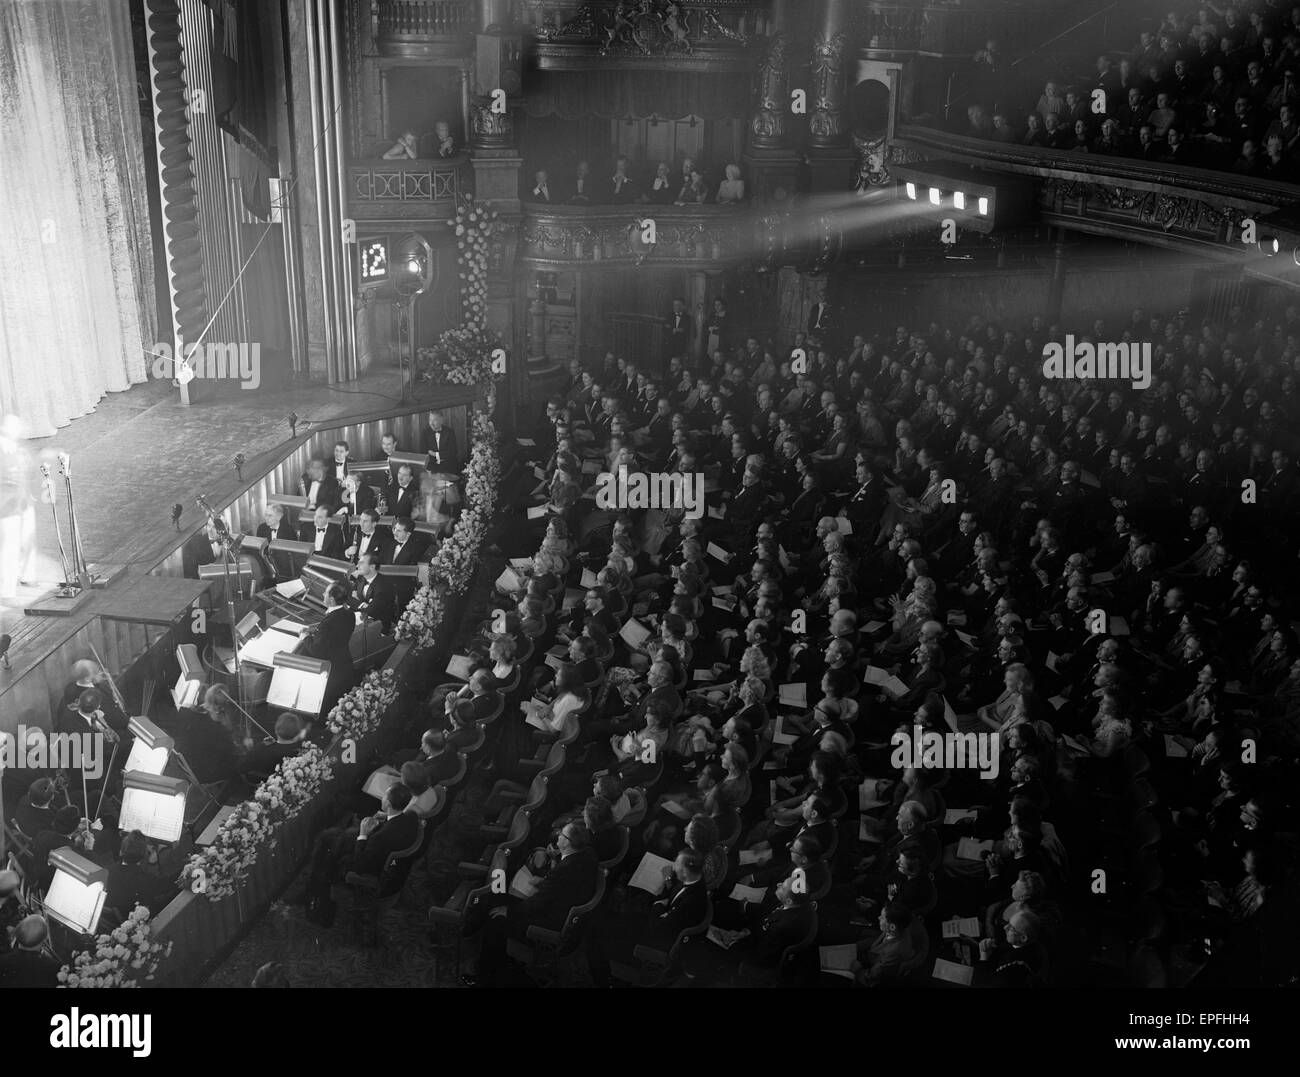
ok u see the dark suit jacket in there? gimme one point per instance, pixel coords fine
(330, 490)
(196, 551)
(684, 909)
(677, 333)
(376, 599)
(392, 836)
(32, 820)
(449, 457)
(381, 543)
(401, 502)
(264, 758)
(411, 553)
(130, 885)
(780, 929)
(333, 545)
(28, 968)
(571, 882)
(333, 634)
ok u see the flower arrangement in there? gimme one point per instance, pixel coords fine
(214, 871)
(123, 957)
(453, 565)
(463, 356)
(360, 710)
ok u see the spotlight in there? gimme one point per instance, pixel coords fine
(984, 207)
(1295, 256)
(958, 200)
(911, 191)
(1270, 246)
(935, 196)
(414, 267)
(414, 259)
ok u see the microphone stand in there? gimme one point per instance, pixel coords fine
(48, 483)
(84, 579)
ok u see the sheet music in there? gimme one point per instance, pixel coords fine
(291, 588)
(838, 960)
(155, 816)
(953, 972)
(261, 650)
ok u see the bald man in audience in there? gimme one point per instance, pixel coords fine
(27, 965)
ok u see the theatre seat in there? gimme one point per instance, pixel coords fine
(366, 896)
(543, 955)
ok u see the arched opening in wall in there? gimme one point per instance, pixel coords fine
(868, 127)
(869, 109)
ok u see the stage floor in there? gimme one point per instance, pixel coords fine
(142, 451)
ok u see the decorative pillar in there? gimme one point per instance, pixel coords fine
(1056, 289)
(697, 305)
(770, 163)
(830, 156)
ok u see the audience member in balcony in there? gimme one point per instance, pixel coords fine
(583, 186)
(1147, 148)
(1109, 141)
(1245, 122)
(1248, 162)
(1129, 78)
(1220, 90)
(1056, 135)
(1051, 103)
(1162, 117)
(661, 187)
(1277, 164)
(1076, 107)
(444, 143)
(732, 189)
(1180, 150)
(1286, 128)
(1002, 129)
(1283, 93)
(541, 191)
(1081, 142)
(404, 148)
(1034, 133)
(621, 188)
(1255, 87)
(977, 123)
(693, 191)
(1182, 87)
(1214, 137)
(1132, 113)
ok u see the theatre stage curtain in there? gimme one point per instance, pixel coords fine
(76, 286)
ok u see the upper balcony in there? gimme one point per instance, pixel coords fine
(1198, 210)
(411, 189)
(422, 28)
(582, 35)
(898, 30)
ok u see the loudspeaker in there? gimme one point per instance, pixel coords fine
(498, 64)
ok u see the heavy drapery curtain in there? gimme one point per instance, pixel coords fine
(76, 292)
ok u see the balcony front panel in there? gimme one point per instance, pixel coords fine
(406, 190)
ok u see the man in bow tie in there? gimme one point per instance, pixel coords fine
(326, 538)
(405, 549)
(369, 539)
(402, 494)
(373, 595)
(339, 469)
(440, 443)
(541, 191)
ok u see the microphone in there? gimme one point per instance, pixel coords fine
(5, 640)
(239, 465)
(177, 509)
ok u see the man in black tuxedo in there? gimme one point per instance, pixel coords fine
(329, 641)
(35, 810)
(320, 487)
(684, 904)
(819, 321)
(27, 965)
(388, 446)
(325, 537)
(540, 190)
(402, 494)
(202, 548)
(370, 539)
(439, 441)
(130, 883)
(572, 881)
(677, 332)
(372, 594)
(338, 470)
(265, 757)
(406, 548)
(364, 850)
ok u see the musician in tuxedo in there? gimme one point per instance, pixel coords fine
(439, 441)
(388, 446)
(372, 594)
(329, 641)
(338, 470)
(262, 759)
(88, 674)
(357, 496)
(278, 524)
(325, 537)
(368, 538)
(572, 881)
(202, 548)
(319, 487)
(677, 331)
(406, 549)
(402, 494)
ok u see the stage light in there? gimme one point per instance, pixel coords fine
(413, 258)
(153, 805)
(414, 266)
(911, 191)
(190, 682)
(77, 892)
(1270, 246)
(151, 748)
(984, 207)
(935, 196)
(1295, 256)
(958, 200)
